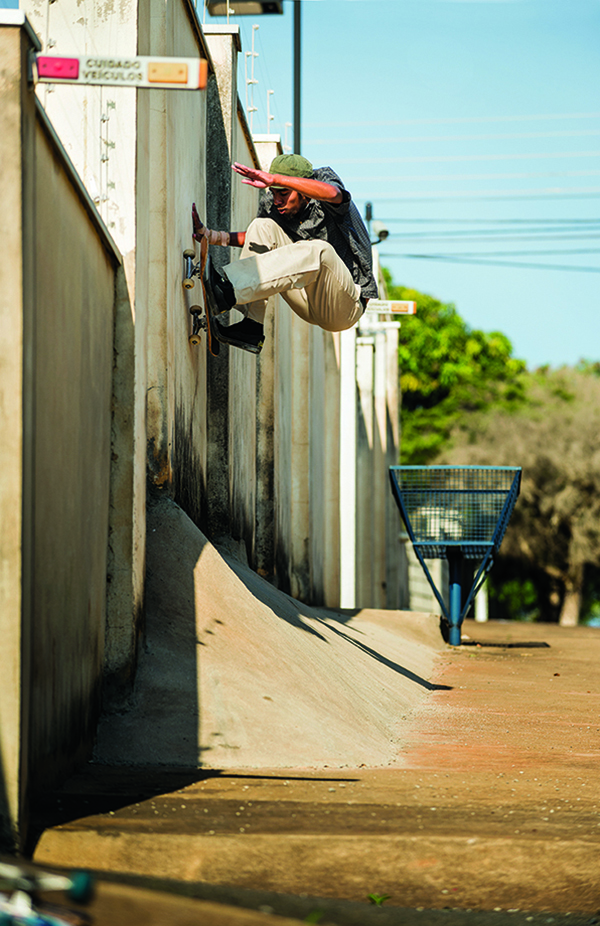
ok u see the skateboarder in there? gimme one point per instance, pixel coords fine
(308, 243)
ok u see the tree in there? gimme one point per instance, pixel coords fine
(447, 370)
(555, 527)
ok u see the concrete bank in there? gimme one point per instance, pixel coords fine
(492, 803)
(236, 674)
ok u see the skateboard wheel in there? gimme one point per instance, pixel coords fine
(194, 339)
(188, 283)
(82, 887)
(189, 253)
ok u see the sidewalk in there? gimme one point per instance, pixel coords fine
(493, 802)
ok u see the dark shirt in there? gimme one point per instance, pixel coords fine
(341, 225)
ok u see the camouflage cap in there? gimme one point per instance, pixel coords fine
(290, 165)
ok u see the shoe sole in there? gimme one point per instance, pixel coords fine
(215, 310)
(243, 345)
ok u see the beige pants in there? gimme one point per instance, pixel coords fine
(310, 276)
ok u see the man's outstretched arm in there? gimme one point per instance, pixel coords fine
(224, 238)
(312, 189)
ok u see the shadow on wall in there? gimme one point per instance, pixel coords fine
(159, 725)
(224, 675)
(7, 835)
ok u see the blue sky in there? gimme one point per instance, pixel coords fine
(473, 126)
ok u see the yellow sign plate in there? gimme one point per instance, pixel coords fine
(167, 72)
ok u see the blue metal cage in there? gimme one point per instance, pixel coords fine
(456, 513)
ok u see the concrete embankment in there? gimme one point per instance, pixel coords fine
(234, 673)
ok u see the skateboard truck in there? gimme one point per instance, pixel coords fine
(198, 324)
(190, 269)
(200, 318)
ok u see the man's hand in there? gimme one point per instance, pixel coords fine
(257, 178)
(305, 186)
(199, 229)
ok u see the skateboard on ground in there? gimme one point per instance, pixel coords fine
(202, 320)
(20, 904)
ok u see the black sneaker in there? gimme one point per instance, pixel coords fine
(219, 291)
(247, 334)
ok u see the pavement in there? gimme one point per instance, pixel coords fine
(489, 811)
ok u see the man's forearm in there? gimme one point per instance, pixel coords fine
(224, 238)
(312, 189)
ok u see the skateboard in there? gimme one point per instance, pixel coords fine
(201, 318)
(20, 904)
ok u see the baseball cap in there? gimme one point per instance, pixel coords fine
(290, 165)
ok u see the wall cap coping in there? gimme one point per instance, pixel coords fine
(18, 18)
(225, 30)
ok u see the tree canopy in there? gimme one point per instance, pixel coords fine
(448, 369)
(555, 438)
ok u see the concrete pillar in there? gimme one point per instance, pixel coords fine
(331, 476)
(16, 486)
(300, 459)
(366, 472)
(380, 485)
(224, 44)
(318, 462)
(481, 604)
(396, 563)
(282, 450)
(348, 441)
(263, 559)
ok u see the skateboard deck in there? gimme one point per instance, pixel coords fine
(20, 903)
(202, 320)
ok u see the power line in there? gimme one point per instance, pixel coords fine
(493, 263)
(458, 120)
(519, 253)
(419, 139)
(499, 236)
(491, 221)
(443, 195)
(456, 158)
(411, 178)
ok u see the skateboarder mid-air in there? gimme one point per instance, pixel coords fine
(308, 242)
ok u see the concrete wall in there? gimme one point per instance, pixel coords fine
(97, 126)
(60, 270)
(286, 455)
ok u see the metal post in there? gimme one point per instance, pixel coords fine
(454, 563)
(297, 75)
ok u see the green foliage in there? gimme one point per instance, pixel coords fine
(315, 917)
(553, 538)
(447, 370)
(514, 599)
(378, 899)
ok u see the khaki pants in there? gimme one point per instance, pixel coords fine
(310, 276)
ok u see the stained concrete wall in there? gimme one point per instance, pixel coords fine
(253, 450)
(60, 271)
(97, 126)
